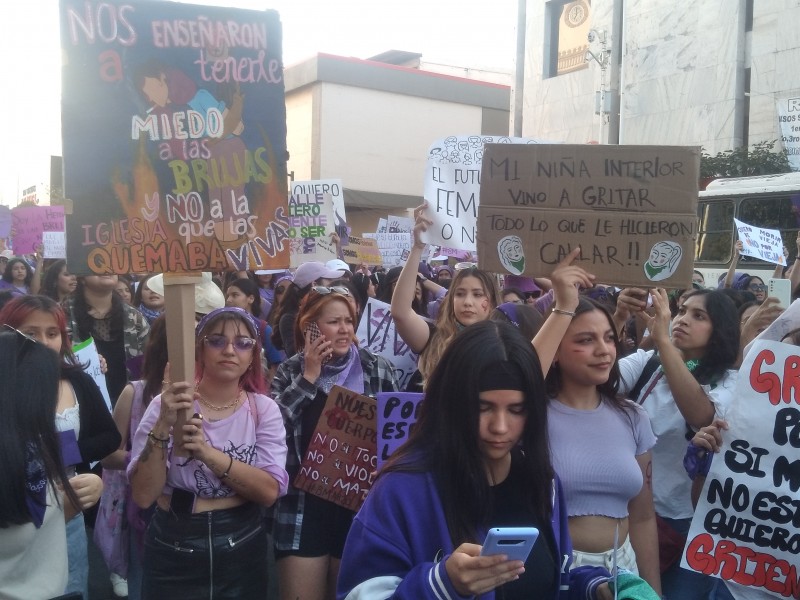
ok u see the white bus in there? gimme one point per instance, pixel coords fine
(769, 201)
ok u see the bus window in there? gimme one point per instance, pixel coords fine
(714, 235)
(773, 212)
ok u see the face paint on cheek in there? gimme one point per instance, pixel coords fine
(485, 306)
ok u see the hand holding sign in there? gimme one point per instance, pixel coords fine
(421, 225)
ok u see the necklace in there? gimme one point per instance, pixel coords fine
(208, 404)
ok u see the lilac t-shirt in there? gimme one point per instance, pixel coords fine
(237, 436)
(594, 453)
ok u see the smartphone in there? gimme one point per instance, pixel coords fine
(182, 502)
(514, 542)
(782, 290)
(313, 329)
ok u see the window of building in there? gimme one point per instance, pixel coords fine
(566, 43)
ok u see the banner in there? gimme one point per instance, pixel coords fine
(340, 462)
(765, 244)
(788, 110)
(397, 413)
(452, 187)
(310, 227)
(631, 209)
(31, 222)
(746, 528)
(174, 137)
(376, 332)
(86, 353)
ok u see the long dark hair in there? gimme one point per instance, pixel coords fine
(722, 349)
(85, 322)
(249, 288)
(155, 359)
(445, 440)
(28, 398)
(50, 279)
(290, 303)
(8, 275)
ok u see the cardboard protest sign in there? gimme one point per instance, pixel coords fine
(341, 458)
(393, 247)
(174, 137)
(397, 413)
(336, 190)
(55, 244)
(746, 528)
(765, 244)
(631, 209)
(311, 223)
(362, 250)
(86, 353)
(452, 187)
(30, 223)
(376, 332)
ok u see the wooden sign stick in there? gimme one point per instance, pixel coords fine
(179, 310)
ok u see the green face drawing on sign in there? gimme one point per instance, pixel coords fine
(663, 261)
(512, 254)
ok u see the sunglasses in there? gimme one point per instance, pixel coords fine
(217, 341)
(24, 336)
(757, 287)
(336, 289)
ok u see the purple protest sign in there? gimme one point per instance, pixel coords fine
(397, 413)
(30, 222)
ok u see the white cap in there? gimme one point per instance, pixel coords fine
(309, 272)
(207, 295)
(337, 264)
(269, 271)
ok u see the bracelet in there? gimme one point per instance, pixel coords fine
(558, 311)
(227, 472)
(157, 441)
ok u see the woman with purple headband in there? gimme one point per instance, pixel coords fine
(207, 537)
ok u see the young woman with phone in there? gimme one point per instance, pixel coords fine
(207, 537)
(600, 445)
(683, 386)
(477, 459)
(310, 532)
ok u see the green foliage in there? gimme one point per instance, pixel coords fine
(761, 159)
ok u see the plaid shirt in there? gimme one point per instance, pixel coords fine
(294, 393)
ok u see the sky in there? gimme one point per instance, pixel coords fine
(470, 33)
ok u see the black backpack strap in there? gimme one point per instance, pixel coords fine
(649, 368)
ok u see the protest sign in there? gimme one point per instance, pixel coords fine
(340, 462)
(86, 353)
(399, 224)
(376, 332)
(55, 244)
(336, 190)
(746, 527)
(30, 223)
(392, 247)
(310, 227)
(397, 413)
(765, 244)
(631, 209)
(383, 226)
(788, 110)
(362, 250)
(452, 187)
(174, 137)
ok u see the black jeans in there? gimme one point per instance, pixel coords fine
(216, 554)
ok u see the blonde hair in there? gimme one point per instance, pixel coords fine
(446, 324)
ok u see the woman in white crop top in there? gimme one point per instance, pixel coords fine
(600, 445)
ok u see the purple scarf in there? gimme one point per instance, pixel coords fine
(345, 371)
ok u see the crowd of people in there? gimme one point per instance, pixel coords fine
(559, 402)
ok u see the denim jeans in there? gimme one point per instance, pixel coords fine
(78, 557)
(682, 584)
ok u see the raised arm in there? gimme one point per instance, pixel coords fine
(737, 251)
(690, 398)
(565, 278)
(411, 327)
